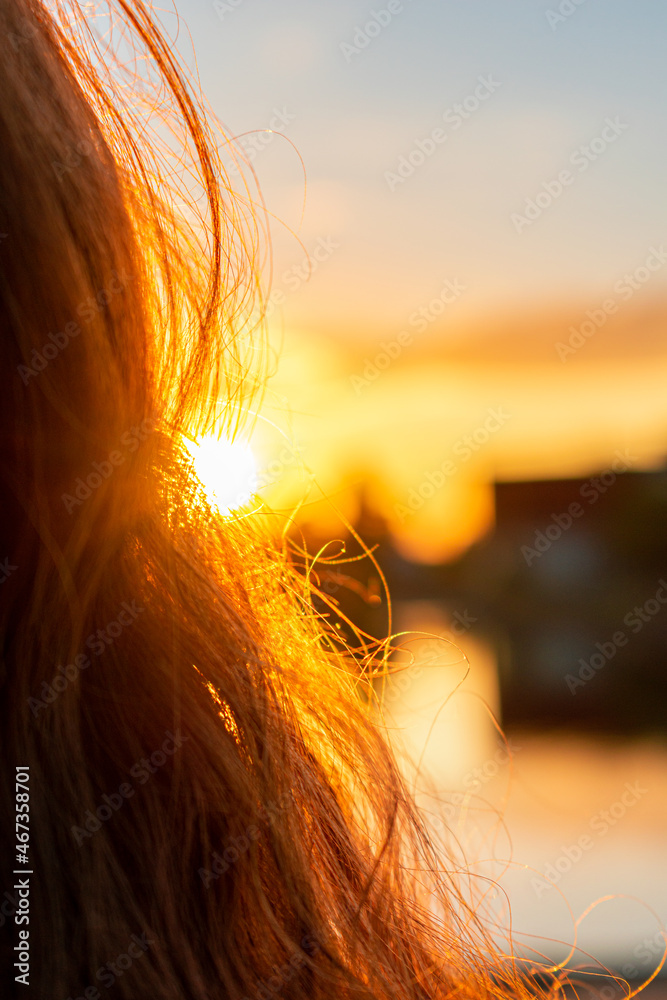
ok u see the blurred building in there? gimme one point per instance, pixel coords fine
(569, 588)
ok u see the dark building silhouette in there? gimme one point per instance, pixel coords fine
(568, 588)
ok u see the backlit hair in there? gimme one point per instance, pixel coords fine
(209, 796)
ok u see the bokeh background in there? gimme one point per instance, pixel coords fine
(469, 325)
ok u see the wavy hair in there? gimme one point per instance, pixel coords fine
(213, 811)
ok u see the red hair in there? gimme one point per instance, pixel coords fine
(209, 795)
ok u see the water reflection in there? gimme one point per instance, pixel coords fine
(558, 820)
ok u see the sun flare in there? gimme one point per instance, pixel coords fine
(226, 469)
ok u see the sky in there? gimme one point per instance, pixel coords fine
(438, 332)
(484, 221)
(451, 334)
(358, 96)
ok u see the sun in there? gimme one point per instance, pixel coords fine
(226, 469)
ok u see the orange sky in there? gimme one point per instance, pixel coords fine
(517, 263)
(514, 412)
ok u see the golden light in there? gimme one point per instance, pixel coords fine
(226, 469)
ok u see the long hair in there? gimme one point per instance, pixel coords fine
(213, 811)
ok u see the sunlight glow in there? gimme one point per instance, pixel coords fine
(227, 471)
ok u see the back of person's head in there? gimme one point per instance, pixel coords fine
(213, 812)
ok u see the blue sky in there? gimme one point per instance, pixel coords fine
(354, 114)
